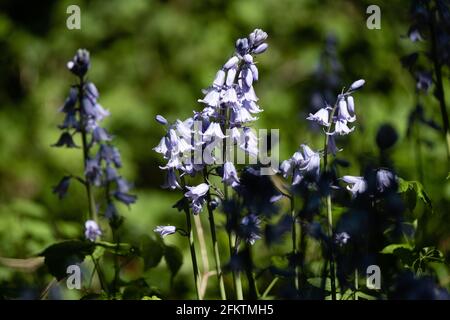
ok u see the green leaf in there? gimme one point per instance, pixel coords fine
(61, 255)
(151, 251)
(150, 298)
(174, 259)
(122, 249)
(414, 190)
(366, 296)
(390, 249)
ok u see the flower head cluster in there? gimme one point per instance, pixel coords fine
(385, 179)
(301, 164)
(83, 116)
(229, 106)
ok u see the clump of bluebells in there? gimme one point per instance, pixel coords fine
(83, 116)
(82, 129)
(201, 145)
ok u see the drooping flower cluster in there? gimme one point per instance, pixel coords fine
(385, 179)
(301, 164)
(229, 106)
(83, 116)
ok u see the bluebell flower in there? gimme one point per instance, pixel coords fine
(311, 161)
(321, 117)
(219, 80)
(125, 197)
(161, 120)
(242, 46)
(165, 230)
(71, 101)
(92, 230)
(80, 63)
(357, 85)
(261, 48)
(214, 131)
(70, 121)
(65, 140)
(231, 63)
(171, 180)
(356, 185)
(197, 196)
(61, 188)
(385, 179)
(93, 172)
(250, 229)
(111, 211)
(341, 238)
(230, 176)
(257, 37)
(249, 142)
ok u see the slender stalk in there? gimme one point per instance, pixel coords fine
(439, 84)
(90, 195)
(253, 290)
(190, 236)
(204, 276)
(356, 284)
(236, 274)
(329, 209)
(294, 243)
(193, 254)
(269, 287)
(215, 245)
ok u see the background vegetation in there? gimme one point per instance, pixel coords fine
(154, 57)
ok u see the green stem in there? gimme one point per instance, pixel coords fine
(215, 244)
(356, 284)
(236, 274)
(193, 253)
(269, 287)
(190, 236)
(294, 243)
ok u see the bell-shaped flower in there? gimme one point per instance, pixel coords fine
(230, 176)
(165, 230)
(171, 181)
(357, 84)
(385, 179)
(231, 63)
(355, 185)
(92, 230)
(343, 113)
(230, 97)
(197, 196)
(249, 142)
(249, 228)
(214, 131)
(321, 117)
(211, 98)
(219, 80)
(311, 161)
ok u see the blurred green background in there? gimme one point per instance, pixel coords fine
(154, 57)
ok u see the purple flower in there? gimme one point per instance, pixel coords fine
(341, 238)
(249, 142)
(62, 187)
(214, 131)
(80, 63)
(357, 84)
(261, 48)
(161, 120)
(385, 179)
(355, 184)
(211, 98)
(92, 230)
(250, 229)
(65, 140)
(257, 37)
(171, 180)
(197, 196)
(165, 230)
(230, 176)
(231, 63)
(321, 117)
(219, 80)
(311, 161)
